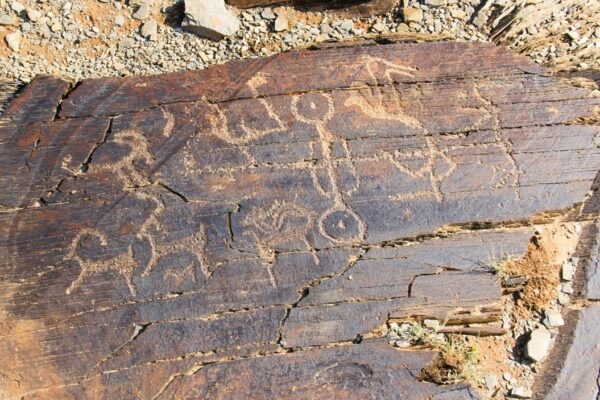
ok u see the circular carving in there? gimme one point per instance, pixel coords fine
(342, 225)
(314, 107)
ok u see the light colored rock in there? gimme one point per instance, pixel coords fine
(553, 319)
(127, 43)
(563, 299)
(17, 7)
(346, 25)
(480, 19)
(568, 271)
(432, 323)
(491, 381)
(458, 14)
(281, 24)
(402, 343)
(538, 345)
(573, 35)
(142, 13)
(379, 27)
(412, 14)
(567, 288)
(209, 18)
(267, 13)
(13, 40)
(521, 393)
(436, 3)
(34, 15)
(149, 29)
(56, 27)
(119, 20)
(66, 8)
(7, 20)
(507, 376)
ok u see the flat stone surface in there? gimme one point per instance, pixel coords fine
(578, 379)
(247, 229)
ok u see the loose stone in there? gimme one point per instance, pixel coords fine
(13, 40)
(17, 7)
(412, 14)
(553, 319)
(142, 13)
(267, 13)
(281, 24)
(119, 20)
(209, 18)
(521, 393)
(149, 29)
(568, 271)
(538, 345)
(432, 323)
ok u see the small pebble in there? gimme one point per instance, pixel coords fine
(33, 15)
(412, 14)
(563, 299)
(432, 324)
(491, 381)
(13, 40)
(521, 393)
(573, 35)
(149, 29)
(346, 25)
(267, 13)
(281, 24)
(143, 12)
(553, 319)
(17, 7)
(119, 20)
(568, 271)
(7, 20)
(567, 288)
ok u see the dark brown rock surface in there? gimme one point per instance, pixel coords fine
(244, 231)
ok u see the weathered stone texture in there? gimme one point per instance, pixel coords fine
(578, 379)
(214, 233)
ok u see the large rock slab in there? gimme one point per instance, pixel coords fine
(578, 379)
(267, 216)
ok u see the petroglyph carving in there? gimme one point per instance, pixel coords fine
(243, 132)
(435, 165)
(281, 222)
(122, 264)
(132, 178)
(340, 223)
(194, 244)
(514, 174)
(380, 71)
(169, 123)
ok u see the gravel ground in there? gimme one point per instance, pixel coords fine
(94, 38)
